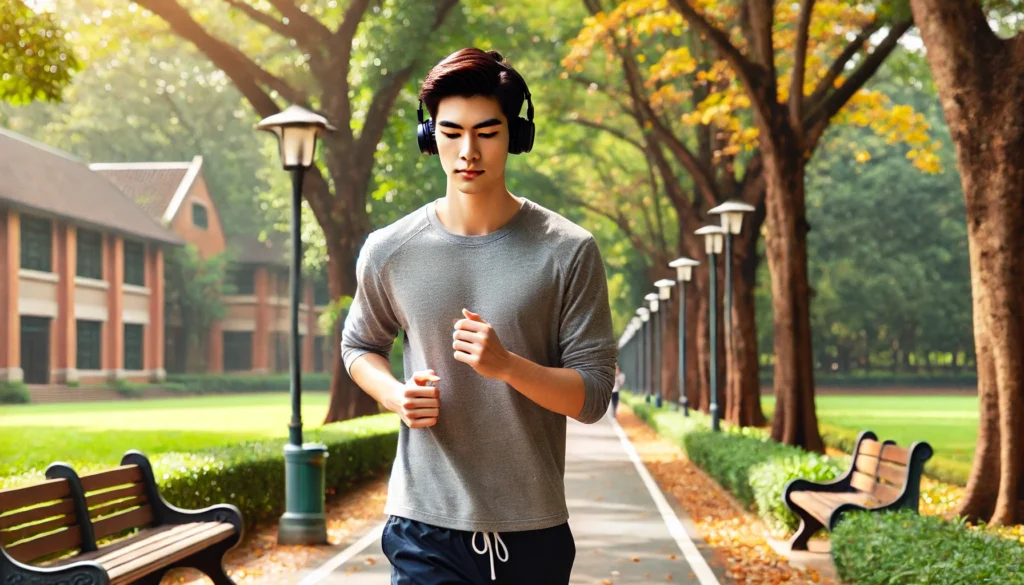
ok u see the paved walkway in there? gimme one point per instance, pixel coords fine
(617, 513)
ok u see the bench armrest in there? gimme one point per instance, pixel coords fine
(80, 573)
(165, 513)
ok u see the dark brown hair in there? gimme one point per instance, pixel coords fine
(472, 72)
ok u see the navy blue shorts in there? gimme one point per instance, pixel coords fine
(423, 554)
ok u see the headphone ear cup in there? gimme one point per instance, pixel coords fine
(521, 138)
(425, 137)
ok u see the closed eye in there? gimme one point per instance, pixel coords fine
(488, 135)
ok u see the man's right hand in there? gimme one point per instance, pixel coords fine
(418, 402)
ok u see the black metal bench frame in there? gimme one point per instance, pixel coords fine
(918, 453)
(89, 572)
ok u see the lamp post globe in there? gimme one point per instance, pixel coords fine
(304, 520)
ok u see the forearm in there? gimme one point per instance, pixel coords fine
(559, 390)
(373, 374)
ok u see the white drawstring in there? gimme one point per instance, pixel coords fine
(489, 549)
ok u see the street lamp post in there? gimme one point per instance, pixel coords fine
(645, 340)
(652, 306)
(664, 294)
(304, 520)
(684, 271)
(634, 374)
(731, 213)
(713, 245)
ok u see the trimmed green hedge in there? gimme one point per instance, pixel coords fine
(224, 383)
(13, 393)
(743, 460)
(250, 475)
(902, 548)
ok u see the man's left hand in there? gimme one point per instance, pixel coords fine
(477, 344)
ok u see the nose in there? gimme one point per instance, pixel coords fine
(469, 150)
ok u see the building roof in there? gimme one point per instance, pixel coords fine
(39, 179)
(250, 250)
(157, 187)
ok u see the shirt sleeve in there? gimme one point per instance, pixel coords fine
(371, 325)
(585, 339)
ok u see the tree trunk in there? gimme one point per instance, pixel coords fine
(980, 79)
(795, 421)
(743, 391)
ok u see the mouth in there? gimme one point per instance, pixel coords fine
(470, 175)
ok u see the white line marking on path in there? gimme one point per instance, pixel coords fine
(675, 527)
(344, 556)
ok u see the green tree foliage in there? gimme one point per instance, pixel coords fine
(36, 61)
(193, 297)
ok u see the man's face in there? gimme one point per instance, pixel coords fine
(472, 141)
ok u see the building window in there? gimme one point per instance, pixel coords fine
(237, 351)
(36, 243)
(200, 218)
(134, 263)
(89, 345)
(133, 346)
(90, 254)
(243, 278)
(321, 294)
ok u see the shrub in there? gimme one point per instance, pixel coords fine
(768, 481)
(126, 388)
(903, 548)
(14, 393)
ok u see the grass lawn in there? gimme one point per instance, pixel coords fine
(948, 423)
(33, 436)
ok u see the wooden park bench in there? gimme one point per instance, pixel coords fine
(49, 531)
(881, 477)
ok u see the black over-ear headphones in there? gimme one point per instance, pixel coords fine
(520, 131)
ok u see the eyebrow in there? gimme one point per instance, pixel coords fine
(484, 124)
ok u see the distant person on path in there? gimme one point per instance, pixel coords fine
(504, 305)
(620, 379)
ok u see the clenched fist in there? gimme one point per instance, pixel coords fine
(477, 344)
(419, 401)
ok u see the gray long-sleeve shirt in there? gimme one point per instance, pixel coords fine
(495, 460)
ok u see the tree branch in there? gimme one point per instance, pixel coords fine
(341, 42)
(833, 103)
(613, 131)
(384, 99)
(620, 220)
(245, 74)
(261, 17)
(825, 83)
(796, 86)
(305, 24)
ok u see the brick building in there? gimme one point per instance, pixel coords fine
(81, 272)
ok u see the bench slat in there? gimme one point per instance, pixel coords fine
(136, 518)
(125, 492)
(117, 476)
(17, 498)
(886, 493)
(24, 532)
(867, 464)
(41, 513)
(148, 563)
(893, 474)
(112, 548)
(113, 508)
(151, 543)
(870, 447)
(862, 482)
(895, 454)
(66, 539)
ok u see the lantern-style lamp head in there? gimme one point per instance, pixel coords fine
(645, 315)
(665, 288)
(652, 302)
(714, 236)
(297, 129)
(684, 268)
(732, 215)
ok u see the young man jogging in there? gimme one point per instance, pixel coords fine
(504, 305)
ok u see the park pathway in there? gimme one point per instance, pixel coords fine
(617, 514)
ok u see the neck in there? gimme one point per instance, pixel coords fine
(476, 214)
